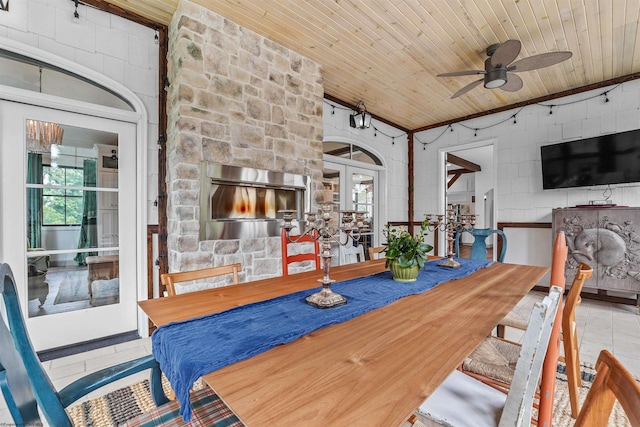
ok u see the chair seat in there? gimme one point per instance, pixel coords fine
(208, 411)
(462, 401)
(494, 358)
(514, 320)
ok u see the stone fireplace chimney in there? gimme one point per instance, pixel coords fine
(238, 99)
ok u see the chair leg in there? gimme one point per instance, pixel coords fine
(500, 331)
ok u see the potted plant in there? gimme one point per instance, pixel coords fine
(405, 253)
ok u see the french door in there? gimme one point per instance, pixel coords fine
(354, 188)
(68, 222)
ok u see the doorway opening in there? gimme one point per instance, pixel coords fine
(468, 185)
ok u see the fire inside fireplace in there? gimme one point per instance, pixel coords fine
(239, 202)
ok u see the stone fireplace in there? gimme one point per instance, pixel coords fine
(238, 99)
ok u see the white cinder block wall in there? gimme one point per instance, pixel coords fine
(519, 194)
(119, 49)
(392, 151)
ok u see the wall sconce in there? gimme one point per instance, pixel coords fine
(360, 119)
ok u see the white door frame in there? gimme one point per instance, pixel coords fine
(442, 182)
(78, 325)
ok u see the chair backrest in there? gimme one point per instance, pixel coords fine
(299, 257)
(24, 383)
(570, 335)
(350, 254)
(519, 404)
(612, 382)
(170, 279)
(373, 252)
(548, 383)
(479, 246)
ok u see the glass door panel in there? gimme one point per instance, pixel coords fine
(352, 188)
(331, 193)
(72, 220)
(362, 190)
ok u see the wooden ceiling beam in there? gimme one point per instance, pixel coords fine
(453, 180)
(465, 164)
(459, 171)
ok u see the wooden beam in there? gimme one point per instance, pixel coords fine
(459, 171)
(466, 164)
(453, 180)
(410, 185)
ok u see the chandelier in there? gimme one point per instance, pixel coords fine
(42, 135)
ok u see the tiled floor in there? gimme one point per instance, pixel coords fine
(600, 325)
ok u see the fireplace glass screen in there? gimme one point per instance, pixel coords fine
(242, 202)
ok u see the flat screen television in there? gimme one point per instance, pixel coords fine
(606, 159)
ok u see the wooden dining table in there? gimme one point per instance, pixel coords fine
(372, 370)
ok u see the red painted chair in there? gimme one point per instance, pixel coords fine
(298, 257)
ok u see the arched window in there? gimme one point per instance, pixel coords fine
(30, 74)
(350, 151)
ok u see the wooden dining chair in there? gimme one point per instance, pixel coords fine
(462, 400)
(613, 382)
(373, 252)
(170, 279)
(300, 256)
(29, 393)
(479, 245)
(494, 360)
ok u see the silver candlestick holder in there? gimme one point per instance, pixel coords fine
(451, 225)
(318, 227)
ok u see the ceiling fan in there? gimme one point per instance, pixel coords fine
(499, 74)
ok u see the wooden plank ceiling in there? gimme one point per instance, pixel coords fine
(388, 52)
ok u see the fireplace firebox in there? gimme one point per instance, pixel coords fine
(242, 203)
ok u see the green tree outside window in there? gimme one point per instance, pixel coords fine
(62, 206)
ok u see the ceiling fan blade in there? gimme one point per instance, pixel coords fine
(461, 73)
(467, 88)
(539, 61)
(514, 83)
(506, 53)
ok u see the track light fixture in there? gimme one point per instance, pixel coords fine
(359, 118)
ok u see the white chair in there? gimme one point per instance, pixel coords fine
(466, 402)
(350, 254)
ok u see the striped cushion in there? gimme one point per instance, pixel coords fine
(208, 410)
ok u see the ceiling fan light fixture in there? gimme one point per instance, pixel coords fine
(495, 78)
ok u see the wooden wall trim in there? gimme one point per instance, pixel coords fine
(503, 225)
(151, 231)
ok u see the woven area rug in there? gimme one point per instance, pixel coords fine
(562, 406)
(72, 285)
(117, 407)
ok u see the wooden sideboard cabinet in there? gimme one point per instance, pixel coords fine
(608, 239)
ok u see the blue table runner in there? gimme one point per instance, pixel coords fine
(190, 349)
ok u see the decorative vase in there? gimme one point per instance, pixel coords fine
(404, 274)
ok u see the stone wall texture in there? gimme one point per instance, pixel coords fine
(239, 99)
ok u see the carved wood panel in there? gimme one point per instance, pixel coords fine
(608, 239)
